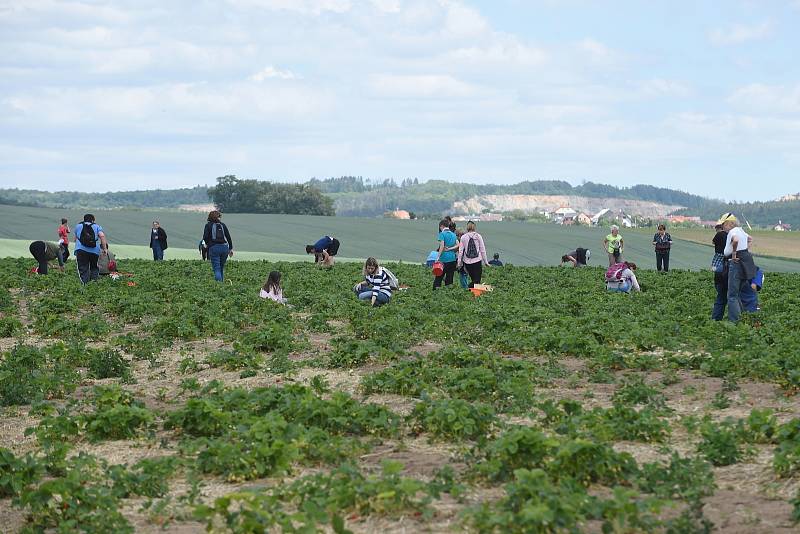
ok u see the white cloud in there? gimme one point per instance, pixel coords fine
(740, 33)
(661, 87)
(462, 21)
(271, 72)
(420, 86)
(304, 7)
(770, 99)
(599, 54)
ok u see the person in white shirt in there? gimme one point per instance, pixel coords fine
(620, 277)
(741, 266)
(272, 288)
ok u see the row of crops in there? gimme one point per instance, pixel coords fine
(164, 399)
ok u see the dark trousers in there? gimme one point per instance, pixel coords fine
(38, 251)
(158, 252)
(87, 266)
(662, 260)
(474, 270)
(721, 285)
(447, 275)
(64, 252)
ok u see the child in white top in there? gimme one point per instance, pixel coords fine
(272, 288)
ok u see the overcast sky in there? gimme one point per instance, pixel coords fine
(115, 95)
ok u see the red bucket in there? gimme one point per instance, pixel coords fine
(438, 268)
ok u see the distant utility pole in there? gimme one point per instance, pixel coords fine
(746, 222)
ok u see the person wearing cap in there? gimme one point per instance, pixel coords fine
(613, 243)
(495, 261)
(720, 278)
(741, 267)
(577, 257)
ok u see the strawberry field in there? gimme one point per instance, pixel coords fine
(164, 400)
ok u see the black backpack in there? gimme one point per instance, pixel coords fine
(472, 248)
(217, 234)
(87, 237)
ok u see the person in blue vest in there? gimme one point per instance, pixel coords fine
(158, 241)
(220, 245)
(495, 261)
(90, 243)
(324, 250)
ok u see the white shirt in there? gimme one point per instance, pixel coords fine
(740, 235)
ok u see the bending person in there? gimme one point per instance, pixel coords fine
(324, 250)
(376, 286)
(620, 277)
(578, 257)
(44, 252)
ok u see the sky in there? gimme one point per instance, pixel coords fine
(138, 94)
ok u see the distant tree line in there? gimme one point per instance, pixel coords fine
(234, 195)
(155, 198)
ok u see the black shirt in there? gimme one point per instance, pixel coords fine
(719, 241)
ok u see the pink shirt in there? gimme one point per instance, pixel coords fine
(462, 250)
(277, 297)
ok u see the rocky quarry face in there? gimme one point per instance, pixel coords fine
(536, 203)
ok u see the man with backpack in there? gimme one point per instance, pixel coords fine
(472, 254)
(220, 245)
(90, 243)
(621, 278)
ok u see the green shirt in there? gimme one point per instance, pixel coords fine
(613, 242)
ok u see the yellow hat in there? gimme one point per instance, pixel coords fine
(727, 217)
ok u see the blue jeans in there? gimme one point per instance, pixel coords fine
(158, 252)
(218, 254)
(623, 288)
(736, 283)
(749, 298)
(721, 285)
(364, 293)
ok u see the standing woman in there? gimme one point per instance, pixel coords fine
(613, 244)
(472, 254)
(448, 245)
(219, 242)
(158, 241)
(663, 242)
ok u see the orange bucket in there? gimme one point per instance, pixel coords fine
(477, 292)
(438, 268)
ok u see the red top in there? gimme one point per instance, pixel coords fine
(62, 233)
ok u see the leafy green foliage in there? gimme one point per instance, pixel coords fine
(453, 419)
(29, 373)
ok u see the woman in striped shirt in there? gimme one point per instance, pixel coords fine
(376, 285)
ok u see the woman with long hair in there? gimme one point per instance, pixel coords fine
(219, 243)
(376, 287)
(472, 254)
